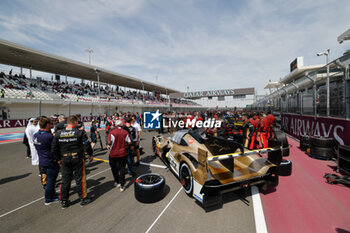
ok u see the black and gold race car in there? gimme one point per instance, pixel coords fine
(209, 166)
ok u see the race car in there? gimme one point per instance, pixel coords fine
(209, 166)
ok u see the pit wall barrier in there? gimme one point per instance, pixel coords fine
(336, 128)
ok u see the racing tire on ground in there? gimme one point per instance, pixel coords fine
(186, 178)
(149, 188)
(304, 142)
(326, 153)
(284, 169)
(271, 182)
(322, 142)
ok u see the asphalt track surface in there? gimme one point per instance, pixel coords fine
(22, 206)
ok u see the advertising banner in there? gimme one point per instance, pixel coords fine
(24, 122)
(336, 128)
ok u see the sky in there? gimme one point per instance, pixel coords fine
(203, 45)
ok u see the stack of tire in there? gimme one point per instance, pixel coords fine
(304, 142)
(322, 147)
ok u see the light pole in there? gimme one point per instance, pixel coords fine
(98, 83)
(327, 82)
(89, 51)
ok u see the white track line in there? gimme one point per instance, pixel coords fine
(166, 207)
(25, 205)
(153, 165)
(259, 217)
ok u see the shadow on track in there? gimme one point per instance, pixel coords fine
(13, 178)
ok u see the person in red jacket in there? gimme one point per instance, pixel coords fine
(118, 142)
(253, 141)
(271, 119)
(264, 132)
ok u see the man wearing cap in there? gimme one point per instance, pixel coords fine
(118, 142)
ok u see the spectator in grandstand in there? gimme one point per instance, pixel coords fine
(136, 140)
(31, 129)
(43, 141)
(29, 94)
(118, 141)
(2, 93)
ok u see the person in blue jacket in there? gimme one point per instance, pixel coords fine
(42, 142)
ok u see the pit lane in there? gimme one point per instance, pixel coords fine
(22, 206)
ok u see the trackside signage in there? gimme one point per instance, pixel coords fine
(153, 120)
(296, 125)
(24, 122)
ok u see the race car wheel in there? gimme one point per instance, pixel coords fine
(186, 178)
(282, 138)
(271, 182)
(284, 169)
(149, 188)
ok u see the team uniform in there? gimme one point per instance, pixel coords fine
(68, 146)
(118, 139)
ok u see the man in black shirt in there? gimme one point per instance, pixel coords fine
(248, 130)
(130, 157)
(69, 146)
(62, 123)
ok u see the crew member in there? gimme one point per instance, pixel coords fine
(253, 141)
(264, 131)
(43, 142)
(130, 149)
(118, 141)
(68, 146)
(248, 130)
(271, 119)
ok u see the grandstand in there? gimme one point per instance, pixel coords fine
(31, 96)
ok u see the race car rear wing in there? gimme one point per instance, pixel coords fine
(238, 154)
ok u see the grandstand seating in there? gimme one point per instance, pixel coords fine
(20, 87)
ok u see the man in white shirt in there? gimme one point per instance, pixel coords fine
(136, 139)
(31, 129)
